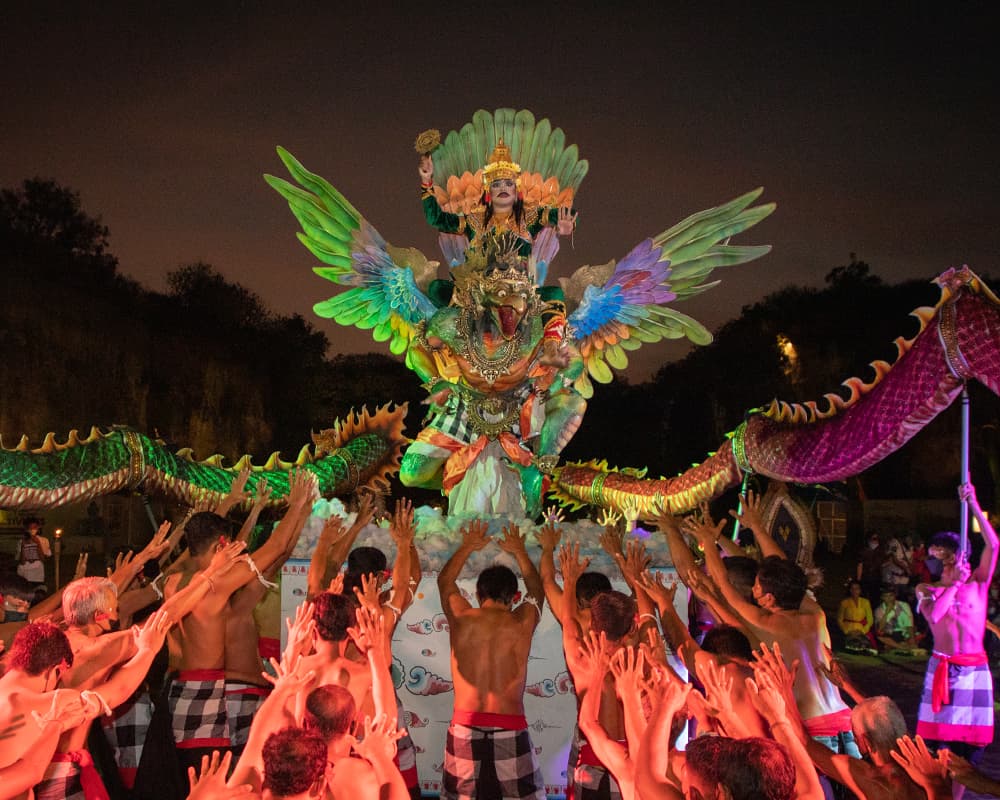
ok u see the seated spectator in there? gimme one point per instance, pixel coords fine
(854, 618)
(894, 625)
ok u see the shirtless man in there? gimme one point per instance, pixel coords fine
(39, 656)
(612, 616)
(786, 615)
(198, 644)
(956, 708)
(488, 753)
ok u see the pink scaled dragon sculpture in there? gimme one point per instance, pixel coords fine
(959, 340)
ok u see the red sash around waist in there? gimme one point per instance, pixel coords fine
(90, 780)
(940, 694)
(200, 675)
(484, 719)
(829, 724)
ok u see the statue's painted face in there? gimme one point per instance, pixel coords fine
(503, 193)
(506, 293)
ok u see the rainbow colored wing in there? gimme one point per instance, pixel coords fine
(385, 295)
(624, 305)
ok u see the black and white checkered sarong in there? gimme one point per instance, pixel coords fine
(490, 762)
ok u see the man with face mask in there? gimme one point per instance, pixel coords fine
(956, 707)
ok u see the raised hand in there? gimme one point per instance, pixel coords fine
(593, 655)
(655, 650)
(750, 516)
(771, 662)
(367, 595)
(426, 170)
(264, 492)
(300, 633)
(81, 566)
(237, 492)
(225, 557)
(718, 686)
(289, 676)
(702, 527)
(652, 583)
(379, 741)
(401, 529)
(209, 783)
(337, 584)
(334, 529)
(767, 698)
(151, 635)
(628, 667)
(570, 564)
(475, 536)
(665, 521)
(512, 541)
(612, 539)
(566, 221)
(634, 561)
(914, 757)
(303, 488)
(157, 545)
(366, 511)
(549, 535)
(369, 631)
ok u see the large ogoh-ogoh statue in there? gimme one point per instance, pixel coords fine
(507, 360)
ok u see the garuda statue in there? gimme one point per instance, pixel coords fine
(507, 360)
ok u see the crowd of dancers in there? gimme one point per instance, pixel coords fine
(149, 684)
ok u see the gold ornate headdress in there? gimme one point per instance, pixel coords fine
(500, 166)
(474, 276)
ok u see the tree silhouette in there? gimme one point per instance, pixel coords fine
(42, 224)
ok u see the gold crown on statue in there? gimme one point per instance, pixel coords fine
(500, 165)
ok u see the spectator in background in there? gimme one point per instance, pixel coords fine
(895, 567)
(33, 549)
(869, 572)
(854, 618)
(894, 625)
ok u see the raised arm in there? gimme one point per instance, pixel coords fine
(474, 537)
(652, 762)
(264, 492)
(333, 530)
(988, 560)
(513, 541)
(750, 517)
(572, 568)
(342, 547)
(707, 533)
(548, 538)
(403, 534)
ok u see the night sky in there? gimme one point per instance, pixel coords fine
(875, 132)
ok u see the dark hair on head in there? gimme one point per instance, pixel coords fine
(27, 522)
(334, 614)
(517, 210)
(366, 560)
(203, 530)
(591, 584)
(946, 539)
(294, 760)
(497, 583)
(14, 585)
(741, 571)
(613, 614)
(330, 710)
(784, 580)
(751, 769)
(853, 582)
(726, 640)
(38, 647)
(363, 561)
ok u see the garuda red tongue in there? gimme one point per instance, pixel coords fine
(508, 320)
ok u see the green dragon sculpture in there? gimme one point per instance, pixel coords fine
(959, 340)
(361, 450)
